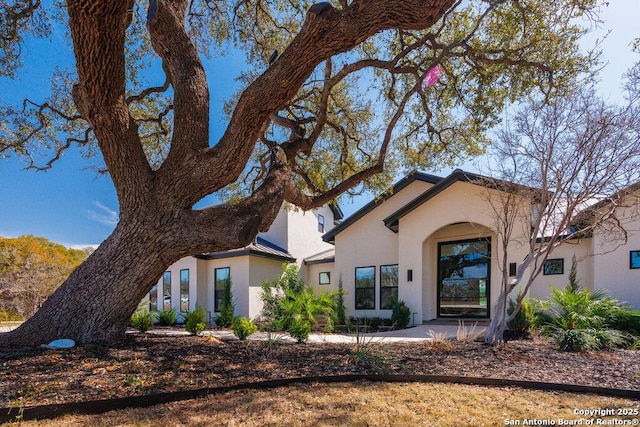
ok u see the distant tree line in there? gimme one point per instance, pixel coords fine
(31, 268)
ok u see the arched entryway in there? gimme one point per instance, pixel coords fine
(456, 270)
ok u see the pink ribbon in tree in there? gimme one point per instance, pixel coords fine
(431, 77)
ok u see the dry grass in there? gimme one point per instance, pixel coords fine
(359, 404)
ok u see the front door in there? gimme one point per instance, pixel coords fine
(463, 278)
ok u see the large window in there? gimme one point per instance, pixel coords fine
(365, 288)
(388, 285)
(153, 298)
(166, 290)
(223, 277)
(464, 278)
(184, 290)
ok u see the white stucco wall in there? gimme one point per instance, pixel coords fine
(260, 269)
(612, 264)
(367, 242)
(313, 276)
(458, 213)
(304, 239)
(581, 249)
(279, 230)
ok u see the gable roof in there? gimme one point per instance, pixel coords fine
(419, 176)
(260, 247)
(457, 175)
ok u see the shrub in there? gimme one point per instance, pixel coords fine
(400, 314)
(142, 320)
(227, 309)
(580, 320)
(167, 318)
(341, 317)
(300, 330)
(243, 327)
(523, 321)
(194, 321)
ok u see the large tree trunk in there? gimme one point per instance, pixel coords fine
(97, 301)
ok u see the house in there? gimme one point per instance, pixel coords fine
(429, 241)
(200, 280)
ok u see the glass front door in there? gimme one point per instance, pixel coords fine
(463, 278)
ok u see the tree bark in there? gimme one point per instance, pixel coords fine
(157, 223)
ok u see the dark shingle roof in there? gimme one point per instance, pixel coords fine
(260, 247)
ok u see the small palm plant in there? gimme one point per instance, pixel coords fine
(300, 310)
(580, 319)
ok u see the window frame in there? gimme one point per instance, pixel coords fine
(546, 270)
(182, 293)
(328, 275)
(368, 289)
(166, 290)
(153, 298)
(320, 223)
(634, 265)
(390, 303)
(217, 307)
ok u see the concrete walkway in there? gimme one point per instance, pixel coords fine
(429, 330)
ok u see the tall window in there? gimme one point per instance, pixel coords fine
(365, 288)
(153, 298)
(321, 223)
(464, 278)
(166, 290)
(388, 285)
(222, 278)
(184, 290)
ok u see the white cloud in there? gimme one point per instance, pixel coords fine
(104, 215)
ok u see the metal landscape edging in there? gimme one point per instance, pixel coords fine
(92, 407)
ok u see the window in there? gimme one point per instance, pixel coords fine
(153, 298)
(513, 269)
(553, 266)
(166, 290)
(388, 285)
(365, 288)
(222, 279)
(184, 290)
(321, 223)
(464, 275)
(634, 259)
(325, 278)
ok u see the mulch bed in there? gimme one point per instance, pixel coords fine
(145, 364)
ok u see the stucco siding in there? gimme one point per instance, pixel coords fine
(260, 269)
(305, 239)
(459, 213)
(612, 269)
(367, 242)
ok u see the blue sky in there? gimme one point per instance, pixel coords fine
(73, 205)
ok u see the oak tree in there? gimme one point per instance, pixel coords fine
(333, 98)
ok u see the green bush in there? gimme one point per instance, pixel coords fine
(243, 327)
(167, 318)
(580, 319)
(227, 309)
(400, 314)
(142, 320)
(194, 321)
(300, 329)
(340, 317)
(523, 321)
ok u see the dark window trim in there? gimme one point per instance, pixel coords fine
(328, 273)
(164, 289)
(388, 287)
(188, 283)
(215, 287)
(481, 239)
(321, 223)
(372, 287)
(631, 265)
(544, 267)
